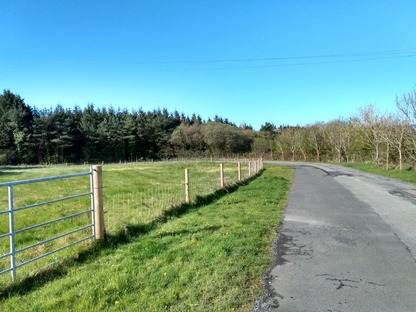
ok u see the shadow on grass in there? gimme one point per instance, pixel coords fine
(9, 172)
(15, 170)
(207, 229)
(112, 241)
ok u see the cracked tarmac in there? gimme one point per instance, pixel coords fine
(347, 243)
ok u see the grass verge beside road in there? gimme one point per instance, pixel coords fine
(403, 175)
(207, 257)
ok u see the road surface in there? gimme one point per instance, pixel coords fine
(347, 243)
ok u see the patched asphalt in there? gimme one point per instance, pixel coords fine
(347, 243)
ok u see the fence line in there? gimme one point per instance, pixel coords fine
(140, 207)
(111, 213)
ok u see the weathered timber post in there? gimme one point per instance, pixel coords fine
(187, 198)
(97, 177)
(222, 175)
(239, 171)
(255, 167)
(249, 168)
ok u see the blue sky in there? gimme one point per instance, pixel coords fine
(285, 62)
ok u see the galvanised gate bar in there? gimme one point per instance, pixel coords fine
(11, 213)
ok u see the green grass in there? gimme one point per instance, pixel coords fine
(134, 194)
(210, 256)
(403, 175)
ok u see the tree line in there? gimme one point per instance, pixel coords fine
(384, 138)
(31, 136)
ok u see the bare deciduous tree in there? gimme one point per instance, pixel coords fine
(315, 137)
(288, 140)
(370, 126)
(394, 137)
(406, 105)
(337, 136)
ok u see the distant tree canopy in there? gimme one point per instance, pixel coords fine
(59, 135)
(268, 127)
(216, 138)
(29, 135)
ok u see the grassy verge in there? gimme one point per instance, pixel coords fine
(403, 175)
(208, 257)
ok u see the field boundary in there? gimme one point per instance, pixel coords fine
(125, 208)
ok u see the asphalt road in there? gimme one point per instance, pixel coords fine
(347, 243)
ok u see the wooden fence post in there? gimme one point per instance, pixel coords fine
(97, 177)
(249, 168)
(239, 171)
(187, 198)
(222, 175)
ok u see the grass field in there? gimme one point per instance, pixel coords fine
(210, 256)
(134, 194)
(404, 175)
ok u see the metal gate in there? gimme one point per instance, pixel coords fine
(11, 214)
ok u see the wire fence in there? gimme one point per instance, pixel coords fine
(133, 194)
(147, 203)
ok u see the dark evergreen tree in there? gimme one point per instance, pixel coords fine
(16, 120)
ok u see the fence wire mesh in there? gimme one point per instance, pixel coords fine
(134, 194)
(145, 202)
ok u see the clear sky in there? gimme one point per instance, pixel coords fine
(285, 62)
